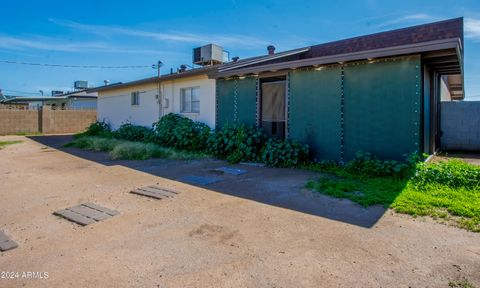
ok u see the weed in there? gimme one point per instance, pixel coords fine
(6, 143)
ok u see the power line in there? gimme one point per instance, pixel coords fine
(78, 66)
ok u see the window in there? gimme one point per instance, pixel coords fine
(136, 98)
(190, 100)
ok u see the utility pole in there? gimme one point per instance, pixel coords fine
(160, 102)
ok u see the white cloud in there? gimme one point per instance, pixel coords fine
(62, 45)
(472, 28)
(406, 19)
(172, 36)
(44, 44)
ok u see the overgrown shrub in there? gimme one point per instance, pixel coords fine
(453, 173)
(181, 133)
(128, 150)
(369, 166)
(93, 143)
(237, 143)
(134, 133)
(284, 153)
(98, 128)
(136, 151)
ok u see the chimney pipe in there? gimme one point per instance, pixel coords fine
(271, 49)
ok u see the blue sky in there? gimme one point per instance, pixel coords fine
(142, 32)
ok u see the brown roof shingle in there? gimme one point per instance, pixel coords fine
(447, 29)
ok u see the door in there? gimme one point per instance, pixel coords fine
(273, 107)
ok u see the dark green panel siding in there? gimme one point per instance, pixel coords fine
(382, 108)
(314, 110)
(225, 102)
(247, 101)
(236, 101)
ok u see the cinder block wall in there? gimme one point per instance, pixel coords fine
(46, 121)
(460, 124)
(14, 121)
(66, 121)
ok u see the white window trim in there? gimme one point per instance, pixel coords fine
(181, 101)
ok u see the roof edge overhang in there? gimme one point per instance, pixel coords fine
(45, 99)
(264, 59)
(452, 43)
(167, 77)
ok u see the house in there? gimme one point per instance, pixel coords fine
(82, 99)
(377, 93)
(190, 93)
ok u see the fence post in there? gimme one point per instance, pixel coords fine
(40, 119)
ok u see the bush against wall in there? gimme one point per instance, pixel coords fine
(284, 153)
(134, 133)
(242, 143)
(237, 143)
(182, 133)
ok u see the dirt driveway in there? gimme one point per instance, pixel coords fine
(234, 233)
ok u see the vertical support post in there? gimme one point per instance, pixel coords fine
(417, 109)
(235, 101)
(160, 102)
(257, 107)
(287, 106)
(342, 116)
(40, 119)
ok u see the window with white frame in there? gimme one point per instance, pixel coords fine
(190, 100)
(135, 98)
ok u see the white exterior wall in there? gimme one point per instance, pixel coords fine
(114, 106)
(171, 91)
(444, 91)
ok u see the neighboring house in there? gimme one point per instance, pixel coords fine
(378, 93)
(73, 100)
(189, 93)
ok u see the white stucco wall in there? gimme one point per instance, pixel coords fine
(114, 106)
(171, 91)
(444, 92)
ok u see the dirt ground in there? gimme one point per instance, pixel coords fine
(472, 158)
(260, 229)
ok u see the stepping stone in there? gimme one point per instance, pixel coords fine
(6, 243)
(200, 180)
(231, 170)
(154, 192)
(86, 213)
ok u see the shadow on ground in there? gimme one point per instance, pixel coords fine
(272, 186)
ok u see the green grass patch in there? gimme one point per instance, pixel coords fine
(28, 133)
(460, 283)
(364, 191)
(6, 143)
(128, 150)
(448, 192)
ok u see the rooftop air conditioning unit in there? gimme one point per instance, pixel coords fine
(80, 84)
(210, 54)
(57, 92)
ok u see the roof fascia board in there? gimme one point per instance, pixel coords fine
(377, 53)
(275, 56)
(150, 80)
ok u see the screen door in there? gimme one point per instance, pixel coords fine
(273, 118)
